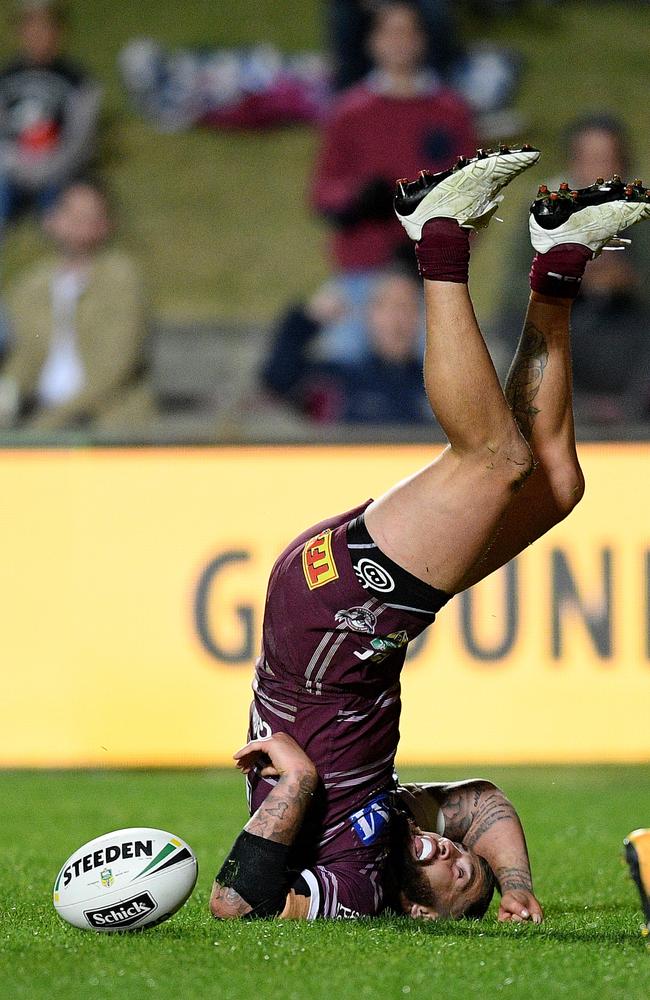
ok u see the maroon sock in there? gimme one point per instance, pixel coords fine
(559, 272)
(443, 251)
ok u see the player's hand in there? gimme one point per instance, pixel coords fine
(273, 756)
(519, 906)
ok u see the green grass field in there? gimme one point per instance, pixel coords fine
(576, 818)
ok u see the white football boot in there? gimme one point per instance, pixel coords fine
(592, 217)
(468, 193)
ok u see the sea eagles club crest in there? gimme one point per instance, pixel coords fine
(357, 619)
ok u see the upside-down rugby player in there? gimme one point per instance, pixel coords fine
(346, 597)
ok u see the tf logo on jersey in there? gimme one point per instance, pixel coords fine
(357, 619)
(318, 561)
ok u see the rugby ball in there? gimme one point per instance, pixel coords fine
(125, 880)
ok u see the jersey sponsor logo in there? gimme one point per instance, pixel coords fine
(259, 729)
(357, 619)
(370, 822)
(372, 575)
(346, 913)
(383, 646)
(318, 561)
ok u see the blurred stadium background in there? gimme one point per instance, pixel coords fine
(136, 547)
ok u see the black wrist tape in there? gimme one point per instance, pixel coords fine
(256, 868)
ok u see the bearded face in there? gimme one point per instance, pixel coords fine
(436, 877)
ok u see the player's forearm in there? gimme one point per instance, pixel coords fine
(280, 816)
(253, 878)
(497, 835)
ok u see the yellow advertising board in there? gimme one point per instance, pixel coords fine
(132, 589)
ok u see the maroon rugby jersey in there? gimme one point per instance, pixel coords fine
(339, 615)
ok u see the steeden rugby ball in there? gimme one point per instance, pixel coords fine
(125, 880)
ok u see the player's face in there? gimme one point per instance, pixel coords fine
(438, 877)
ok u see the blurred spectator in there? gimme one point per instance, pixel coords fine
(394, 123)
(49, 110)
(611, 345)
(349, 23)
(611, 319)
(247, 87)
(386, 389)
(78, 326)
(597, 146)
(397, 121)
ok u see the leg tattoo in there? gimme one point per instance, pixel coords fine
(525, 377)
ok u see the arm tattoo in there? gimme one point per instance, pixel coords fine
(525, 377)
(226, 902)
(513, 878)
(496, 824)
(280, 816)
(493, 808)
(278, 811)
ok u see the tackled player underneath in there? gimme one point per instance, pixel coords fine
(331, 833)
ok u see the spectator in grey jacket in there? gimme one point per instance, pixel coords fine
(49, 111)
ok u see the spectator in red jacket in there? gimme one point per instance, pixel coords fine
(398, 120)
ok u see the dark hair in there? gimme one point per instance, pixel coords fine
(599, 122)
(480, 906)
(54, 9)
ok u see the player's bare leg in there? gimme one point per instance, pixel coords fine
(437, 523)
(539, 391)
(539, 383)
